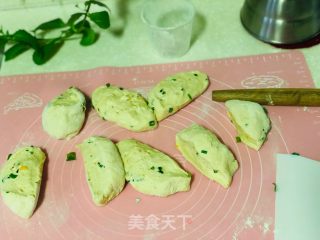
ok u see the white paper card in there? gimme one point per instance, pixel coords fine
(297, 198)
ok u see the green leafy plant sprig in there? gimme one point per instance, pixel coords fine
(45, 48)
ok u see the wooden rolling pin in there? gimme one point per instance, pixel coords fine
(272, 96)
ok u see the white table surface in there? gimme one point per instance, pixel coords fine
(218, 33)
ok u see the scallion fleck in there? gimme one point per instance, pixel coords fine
(275, 187)
(152, 123)
(160, 170)
(71, 156)
(13, 176)
(204, 151)
(101, 165)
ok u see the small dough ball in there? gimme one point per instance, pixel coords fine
(64, 115)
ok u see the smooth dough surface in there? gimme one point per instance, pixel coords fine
(63, 116)
(176, 91)
(21, 177)
(150, 171)
(250, 120)
(124, 107)
(204, 151)
(104, 169)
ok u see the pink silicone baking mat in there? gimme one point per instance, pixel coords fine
(207, 211)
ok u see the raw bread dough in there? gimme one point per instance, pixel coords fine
(64, 115)
(205, 152)
(150, 171)
(104, 169)
(21, 177)
(124, 107)
(176, 91)
(250, 120)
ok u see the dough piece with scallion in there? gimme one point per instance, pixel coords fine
(104, 169)
(175, 92)
(250, 120)
(204, 151)
(126, 108)
(63, 116)
(150, 171)
(21, 177)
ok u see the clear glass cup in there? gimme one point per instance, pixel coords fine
(170, 25)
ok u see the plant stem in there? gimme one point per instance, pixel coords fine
(86, 14)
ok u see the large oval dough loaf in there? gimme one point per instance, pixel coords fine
(21, 177)
(150, 171)
(175, 92)
(104, 169)
(205, 152)
(124, 107)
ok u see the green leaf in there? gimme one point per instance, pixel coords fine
(89, 37)
(97, 3)
(81, 25)
(15, 51)
(53, 24)
(65, 34)
(46, 52)
(22, 36)
(74, 17)
(3, 42)
(101, 19)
